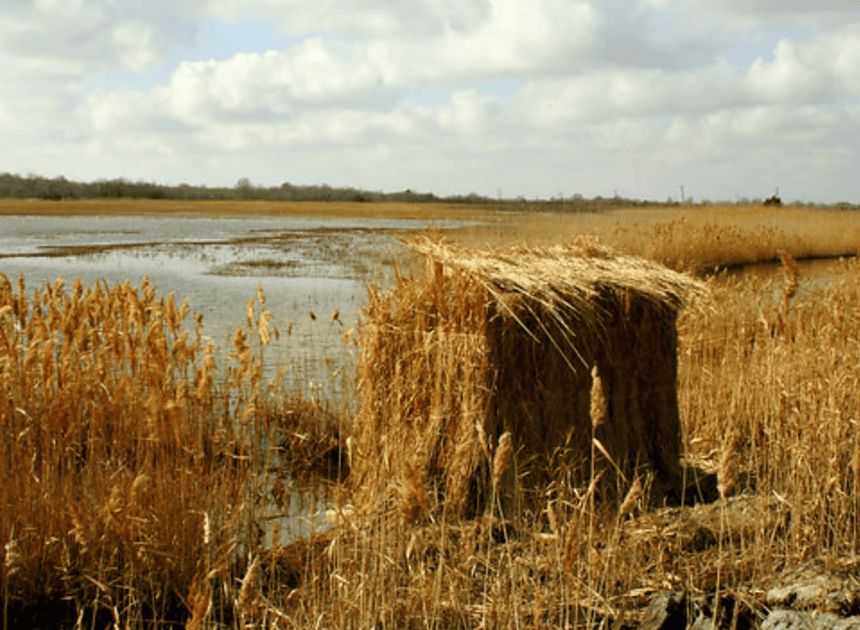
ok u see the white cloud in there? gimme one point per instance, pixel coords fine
(85, 36)
(606, 93)
(370, 18)
(791, 75)
(468, 114)
(599, 95)
(108, 112)
(136, 44)
(547, 37)
(821, 69)
(626, 133)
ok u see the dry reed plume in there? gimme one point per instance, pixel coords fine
(131, 462)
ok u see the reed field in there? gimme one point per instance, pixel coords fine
(139, 467)
(698, 239)
(693, 238)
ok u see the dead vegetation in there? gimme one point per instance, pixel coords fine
(132, 462)
(136, 463)
(697, 239)
(766, 394)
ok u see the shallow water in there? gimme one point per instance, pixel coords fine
(308, 267)
(813, 274)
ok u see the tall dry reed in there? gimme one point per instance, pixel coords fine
(767, 386)
(691, 238)
(768, 394)
(130, 466)
(767, 382)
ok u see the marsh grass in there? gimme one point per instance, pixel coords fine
(134, 462)
(767, 389)
(690, 238)
(775, 381)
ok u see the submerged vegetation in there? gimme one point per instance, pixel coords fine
(143, 474)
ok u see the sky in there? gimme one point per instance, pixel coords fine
(729, 99)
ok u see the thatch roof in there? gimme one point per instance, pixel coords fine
(563, 285)
(565, 276)
(494, 342)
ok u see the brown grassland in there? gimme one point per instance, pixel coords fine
(137, 465)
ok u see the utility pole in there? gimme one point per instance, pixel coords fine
(682, 195)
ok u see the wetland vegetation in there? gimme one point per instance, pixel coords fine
(150, 468)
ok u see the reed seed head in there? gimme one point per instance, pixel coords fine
(599, 405)
(631, 499)
(791, 272)
(249, 312)
(504, 457)
(263, 327)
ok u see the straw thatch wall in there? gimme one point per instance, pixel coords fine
(492, 342)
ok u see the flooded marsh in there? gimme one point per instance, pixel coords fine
(309, 267)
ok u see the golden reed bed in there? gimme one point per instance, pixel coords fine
(134, 467)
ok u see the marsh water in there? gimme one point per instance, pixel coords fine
(313, 271)
(309, 268)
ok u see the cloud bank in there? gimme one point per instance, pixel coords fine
(727, 98)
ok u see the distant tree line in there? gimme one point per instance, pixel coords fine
(35, 187)
(59, 188)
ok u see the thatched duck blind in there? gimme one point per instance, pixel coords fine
(493, 342)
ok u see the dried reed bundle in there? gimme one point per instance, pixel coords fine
(505, 341)
(599, 407)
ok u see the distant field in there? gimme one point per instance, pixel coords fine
(694, 238)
